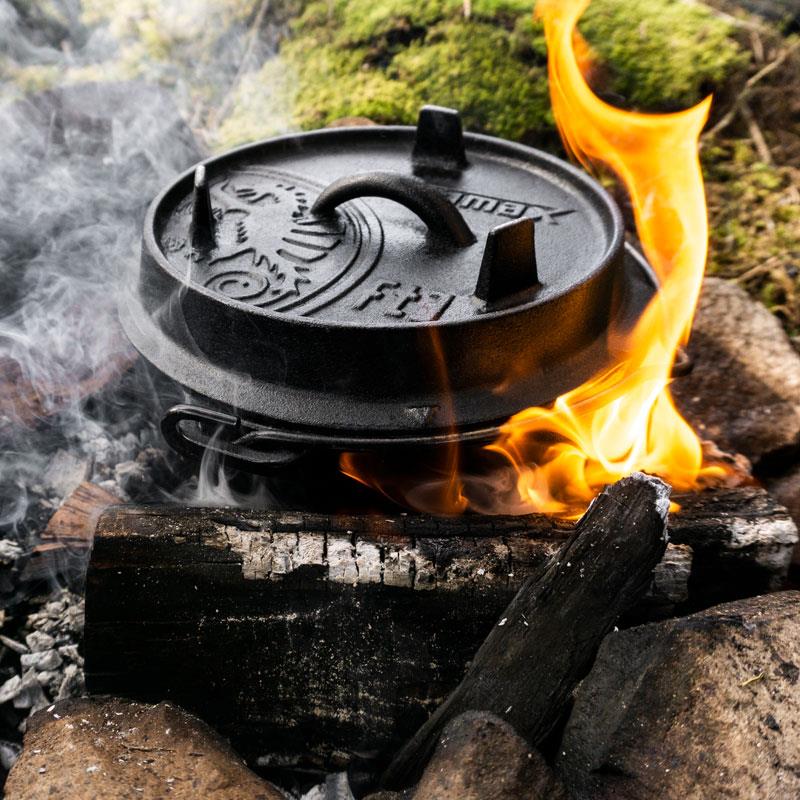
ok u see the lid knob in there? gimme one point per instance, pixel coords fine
(509, 261)
(202, 227)
(439, 144)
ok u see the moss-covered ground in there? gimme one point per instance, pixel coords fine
(383, 59)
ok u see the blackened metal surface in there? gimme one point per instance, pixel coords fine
(365, 322)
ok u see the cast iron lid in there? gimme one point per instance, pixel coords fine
(383, 283)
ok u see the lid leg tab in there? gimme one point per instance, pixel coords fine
(509, 261)
(202, 230)
(439, 144)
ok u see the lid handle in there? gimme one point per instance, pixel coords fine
(428, 203)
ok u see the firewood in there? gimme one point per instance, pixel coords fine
(76, 519)
(547, 637)
(338, 635)
(67, 539)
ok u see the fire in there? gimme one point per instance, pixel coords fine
(623, 419)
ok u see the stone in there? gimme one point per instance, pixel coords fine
(87, 749)
(9, 753)
(70, 653)
(702, 706)
(48, 677)
(13, 644)
(38, 641)
(481, 757)
(9, 551)
(72, 683)
(45, 660)
(744, 390)
(66, 472)
(30, 695)
(337, 787)
(10, 689)
(786, 490)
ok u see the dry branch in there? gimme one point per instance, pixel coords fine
(748, 88)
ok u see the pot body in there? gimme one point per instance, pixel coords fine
(369, 326)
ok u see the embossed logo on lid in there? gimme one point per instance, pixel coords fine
(265, 249)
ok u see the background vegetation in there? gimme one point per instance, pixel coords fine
(383, 59)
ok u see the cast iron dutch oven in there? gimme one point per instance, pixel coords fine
(375, 287)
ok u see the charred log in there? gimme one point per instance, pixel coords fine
(340, 635)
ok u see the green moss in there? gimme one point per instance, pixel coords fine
(390, 85)
(663, 54)
(755, 226)
(358, 22)
(361, 21)
(470, 66)
(332, 83)
(382, 59)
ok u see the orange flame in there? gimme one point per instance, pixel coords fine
(623, 419)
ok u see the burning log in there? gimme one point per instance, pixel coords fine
(546, 639)
(350, 630)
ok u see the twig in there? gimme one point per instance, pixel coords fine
(737, 22)
(756, 134)
(757, 46)
(748, 87)
(759, 269)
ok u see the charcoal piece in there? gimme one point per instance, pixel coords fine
(545, 640)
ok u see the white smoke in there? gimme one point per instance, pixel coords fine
(80, 160)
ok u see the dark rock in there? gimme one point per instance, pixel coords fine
(786, 490)
(480, 757)
(744, 391)
(703, 706)
(89, 749)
